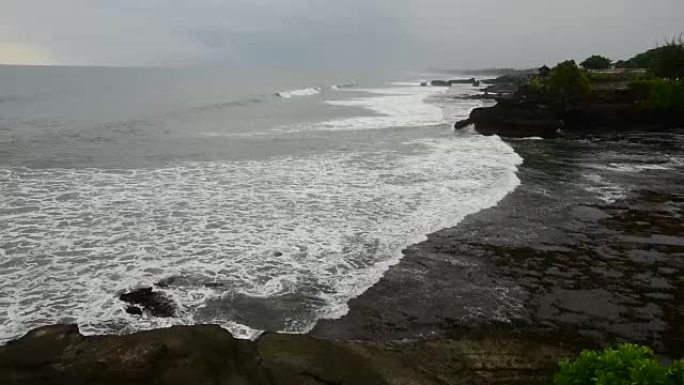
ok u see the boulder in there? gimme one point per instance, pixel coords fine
(134, 310)
(439, 83)
(462, 124)
(146, 300)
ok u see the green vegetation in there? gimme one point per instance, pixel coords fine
(567, 82)
(669, 63)
(536, 85)
(617, 77)
(660, 94)
(666, 61)
(627, 364)
(596, 62)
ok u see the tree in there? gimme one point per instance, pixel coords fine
(596, 62)
(567, 82)
(668, 61)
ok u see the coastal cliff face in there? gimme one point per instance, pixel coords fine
(210, 355)
(613, 110)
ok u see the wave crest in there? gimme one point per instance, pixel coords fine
(299, 92)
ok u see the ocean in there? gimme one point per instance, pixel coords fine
(264, 200)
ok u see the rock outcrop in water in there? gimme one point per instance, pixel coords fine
(449, 83)
(210, 355)
(147, 300)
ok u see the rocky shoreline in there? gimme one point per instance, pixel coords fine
(556, 261)
(498, 299)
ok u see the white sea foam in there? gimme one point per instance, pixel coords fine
(392, 107)
(339, 87)
(73, 238)
(299, 92)
(407, 84)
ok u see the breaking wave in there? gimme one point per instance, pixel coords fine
(299, 92)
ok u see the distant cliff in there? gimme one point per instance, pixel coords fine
(613, 104)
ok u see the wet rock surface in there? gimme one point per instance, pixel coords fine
(514, 121)
(147, 300)
(589, 250)
(210, 355)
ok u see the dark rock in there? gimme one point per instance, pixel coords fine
(190, 281)
(277, 254)
(130, 309)
(507, 79)
(512, 122)
(423, 84)
(524, 114)
(506, 85)
(483, 96)
(157, 304)
(462, 124)
(503, 88)
(476, 83)
(210, 355)
(439, 83)
(462, 81)
(178, 355)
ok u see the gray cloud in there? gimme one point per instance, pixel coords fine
(344, 33)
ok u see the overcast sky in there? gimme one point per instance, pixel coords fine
(402, 34)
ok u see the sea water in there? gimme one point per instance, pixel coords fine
(263, 200)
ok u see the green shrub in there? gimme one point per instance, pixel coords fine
(627, 364)
(617, 76)
(537, 85)
(596, 62)
(660, 94)
(567, 82)
(669, 62)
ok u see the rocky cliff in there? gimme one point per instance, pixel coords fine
(210, 355)
(608, 110)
